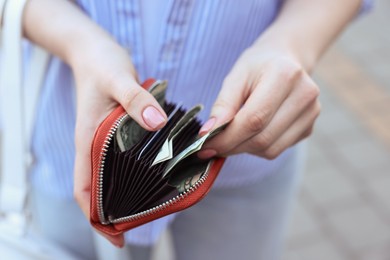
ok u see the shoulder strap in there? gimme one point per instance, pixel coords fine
(18, 101)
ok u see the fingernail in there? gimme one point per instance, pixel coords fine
(153, 118)
(207, 126)
(207, 154)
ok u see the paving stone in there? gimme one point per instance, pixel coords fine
(322, 250)
(381, 252)
(380, 125)
(380, 189)
(345, 137)
(328, 187)
(335, 119)
(364, 155)
(304, 224)
(316, 157)
(359, 227)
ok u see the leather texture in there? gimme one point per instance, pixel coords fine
(97, 154)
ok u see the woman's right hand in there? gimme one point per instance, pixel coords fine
(105, 77)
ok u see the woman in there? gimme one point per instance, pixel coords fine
(244, 60)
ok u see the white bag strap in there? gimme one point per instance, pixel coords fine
(18, 103)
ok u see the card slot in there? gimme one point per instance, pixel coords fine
(110, 175)
(148, 192)
(149, 176)
(114, 176)
(126, 175)
(166, 192)
(161, 198)
(129, 158)
(107, 187)
(185, 138)
(121, 173)
(127, 190)
(153, 177)
(140, 170)
(132, 200)
(132, 193)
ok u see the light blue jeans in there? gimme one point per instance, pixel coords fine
(246, 222)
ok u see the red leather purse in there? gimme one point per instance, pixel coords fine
(128, 190)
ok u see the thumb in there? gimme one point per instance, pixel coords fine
(140, 105)
(227, 104)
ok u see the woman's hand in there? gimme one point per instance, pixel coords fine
(105, 77)
(269, 93)
(273, 101)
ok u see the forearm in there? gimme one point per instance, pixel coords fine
(61, 28)
(305, 28)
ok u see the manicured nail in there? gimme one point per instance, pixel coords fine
(207, 126)
(153, 118)
(207, 154)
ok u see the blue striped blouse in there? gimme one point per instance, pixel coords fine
(192, 44)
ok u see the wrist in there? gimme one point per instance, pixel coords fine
(89, 50)
(286, 44)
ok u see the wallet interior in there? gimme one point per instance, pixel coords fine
(131, 184)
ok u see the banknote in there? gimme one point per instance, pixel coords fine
(166, 150)
(193, 148)
(159, 90)
(129, 131)
(187, 174)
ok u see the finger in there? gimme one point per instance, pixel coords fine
(82, 169)
(89, 116)
(301, 129)
(302, 100)
(139, 104)
(257, 112)
(229, 100)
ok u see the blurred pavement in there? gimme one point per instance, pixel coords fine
(343, 212)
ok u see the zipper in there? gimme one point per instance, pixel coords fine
(144, 213)
(166, 204)
(106, 145)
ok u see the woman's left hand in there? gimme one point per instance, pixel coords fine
(271, 100)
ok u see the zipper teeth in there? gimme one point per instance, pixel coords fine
(164, 205)
(106, 144)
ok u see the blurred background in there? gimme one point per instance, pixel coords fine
(343, 211)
